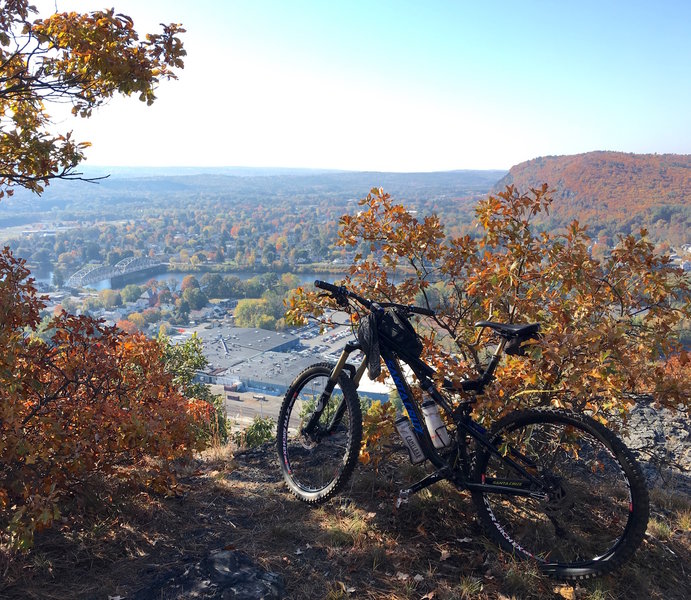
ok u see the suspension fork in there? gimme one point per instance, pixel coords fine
(312, 424)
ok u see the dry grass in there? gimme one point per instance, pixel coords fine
(356, 546)
(684, 520)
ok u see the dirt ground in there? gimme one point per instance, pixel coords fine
(132, 544)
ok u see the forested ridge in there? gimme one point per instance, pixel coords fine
(614, 192)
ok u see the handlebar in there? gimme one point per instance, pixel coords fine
(427, 312)
(342, 292)
(330, 287)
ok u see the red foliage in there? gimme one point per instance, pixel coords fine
(92, 400)
(610, 189)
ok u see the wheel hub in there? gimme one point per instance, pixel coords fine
(560, 498)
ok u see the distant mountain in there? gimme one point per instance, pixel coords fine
(134, 186)
(614, 192)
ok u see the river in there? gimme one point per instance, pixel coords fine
(46, 277)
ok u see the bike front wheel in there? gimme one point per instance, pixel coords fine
(318, 452)
(589, 511)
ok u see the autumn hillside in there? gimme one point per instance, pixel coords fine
(615, 192)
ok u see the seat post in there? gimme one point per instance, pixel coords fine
(488, 375)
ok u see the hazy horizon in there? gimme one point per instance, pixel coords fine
(401, 86)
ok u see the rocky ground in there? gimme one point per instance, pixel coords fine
(662, 439)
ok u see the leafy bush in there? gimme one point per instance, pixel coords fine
(377, 428)
(608, 324)
(77, 398)
(262, 430)
(92, 400)
(183, 361)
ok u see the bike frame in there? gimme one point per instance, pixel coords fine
(465, 425)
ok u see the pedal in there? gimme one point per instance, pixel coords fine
(403, 496)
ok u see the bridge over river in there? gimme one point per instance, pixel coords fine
(93, 273)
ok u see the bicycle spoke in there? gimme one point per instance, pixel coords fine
(588, 514)
(316, 462)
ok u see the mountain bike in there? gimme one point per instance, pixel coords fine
(548, 485)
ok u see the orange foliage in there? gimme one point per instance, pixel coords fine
(90, 401)
(608, 324)
(83, 59)
(611, 190)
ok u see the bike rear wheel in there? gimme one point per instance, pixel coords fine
(590, 511)
(317, 463)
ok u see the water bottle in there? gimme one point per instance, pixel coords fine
(408, 436)
(435, 424)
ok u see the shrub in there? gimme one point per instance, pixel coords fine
(92, 400)
(609, 325)
(262, 430)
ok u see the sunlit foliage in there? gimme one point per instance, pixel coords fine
(608, 324)
(78, 59)
(91, 400)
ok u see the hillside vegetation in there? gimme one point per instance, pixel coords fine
(614, 192)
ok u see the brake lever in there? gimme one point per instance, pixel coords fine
(341, 300)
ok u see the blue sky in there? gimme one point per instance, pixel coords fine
(403, 86)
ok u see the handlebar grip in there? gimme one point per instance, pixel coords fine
(329, 287)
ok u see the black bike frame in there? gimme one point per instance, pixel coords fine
(465, 425)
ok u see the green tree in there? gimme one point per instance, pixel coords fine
(182, 311)
(260, 431)
(231, 286)
(264, 321)
(247, 311)
(137, 319)
(58, 278)
(68, 305)
(212, 284)
(91, 304)
(251, 288)
(184, 361)
(195, 298)
(110, 298)
(131, 292)
(289, 281)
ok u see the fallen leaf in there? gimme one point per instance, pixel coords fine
(445, 554)
(418, 578)
(565, 591)
(429, 596)
(402, 576)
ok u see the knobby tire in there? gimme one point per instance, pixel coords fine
(597, 511)
(315, 471)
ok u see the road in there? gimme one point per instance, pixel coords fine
(241, 412)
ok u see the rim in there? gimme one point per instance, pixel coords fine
(589, 509)
(314, 467)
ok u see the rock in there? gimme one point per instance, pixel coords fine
(223, 574)
(240, 579)
(661, 439)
